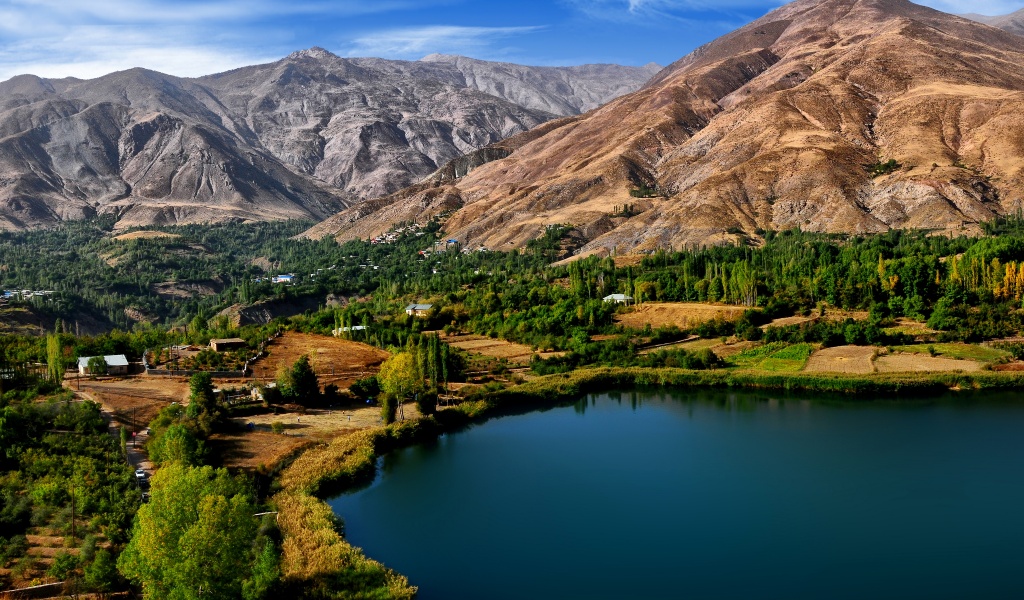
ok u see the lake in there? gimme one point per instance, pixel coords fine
(709, 494)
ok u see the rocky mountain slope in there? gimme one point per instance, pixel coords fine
(830, 115)
(299, 138)
(1013, 22)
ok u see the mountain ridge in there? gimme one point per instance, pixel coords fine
(789, 121)
(296, 138)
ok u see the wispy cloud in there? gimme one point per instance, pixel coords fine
(88, 38)
(657, 12)
(415, 42)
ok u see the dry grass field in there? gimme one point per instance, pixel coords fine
(680, 314)
(902, 363)
(475, 344)
(842, 359)
(335, 360)
(262, 447)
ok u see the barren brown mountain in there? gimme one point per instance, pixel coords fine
(829, 115)
(298, 138)
(1013, 22)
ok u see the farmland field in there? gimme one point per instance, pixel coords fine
(335, 360)
(895, 363)
(680, 314)
(842, 359)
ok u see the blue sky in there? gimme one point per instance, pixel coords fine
(88, 38)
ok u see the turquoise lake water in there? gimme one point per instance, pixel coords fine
(709, 495)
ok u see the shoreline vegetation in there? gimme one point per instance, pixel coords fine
(317, 556)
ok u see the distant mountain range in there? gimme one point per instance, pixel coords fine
(828, 115)
(1013, 22)
(299, 138)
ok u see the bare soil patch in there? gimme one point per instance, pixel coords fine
(842, 359)
(680, 314)
(172, 289)
(475, 344)
(335, 360)
(896, 363)
(136, 400)
(786, 321)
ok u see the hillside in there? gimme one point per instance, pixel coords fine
(1013, 22)
(829, 115)
(298, 138)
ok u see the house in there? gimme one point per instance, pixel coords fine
(342, 330)
(117, 364)
(288, 278)
(418, 310)
(227, 344)
(618, 298)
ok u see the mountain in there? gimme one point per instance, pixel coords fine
(1013, 22)
(298, 138)
(829, 115)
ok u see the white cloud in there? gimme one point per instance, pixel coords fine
(657, 11)
(415, 42)
(88, 38)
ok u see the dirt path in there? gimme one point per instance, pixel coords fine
(136, 447)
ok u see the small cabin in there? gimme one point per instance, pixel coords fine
(117, 364)
(418, 310)
(618, 298)
(227, 344)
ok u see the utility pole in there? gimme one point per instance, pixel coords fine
(73, 507)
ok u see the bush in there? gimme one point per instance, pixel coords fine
(64, 564)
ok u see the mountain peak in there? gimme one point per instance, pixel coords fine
(438, 57)
(316, 52)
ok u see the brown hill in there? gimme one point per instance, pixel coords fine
(1013, 22)
(791, 121)
(298, 138)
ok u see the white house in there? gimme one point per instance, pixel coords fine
(283, 278)
(618, 298)
(418, 310)
(117, 364)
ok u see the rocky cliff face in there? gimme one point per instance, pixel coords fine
(829, 115)
(299, 138)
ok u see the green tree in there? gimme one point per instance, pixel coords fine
(194, 539)
(177, 445)
(54, 359)
(301, 382)
(202, 407)
(101, 574)
(97, 365)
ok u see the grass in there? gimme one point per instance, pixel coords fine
(788, 359)
(774, 357)
(958, 351)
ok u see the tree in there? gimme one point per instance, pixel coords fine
(55, 359)
(97, 365)
(301, 383)
(398, 375)
(202, 407)
(194, 539)
(177, 445)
